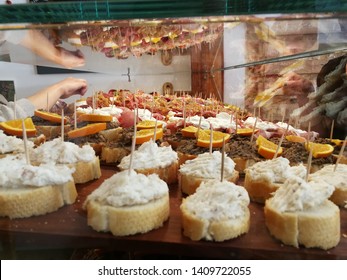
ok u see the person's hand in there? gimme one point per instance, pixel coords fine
(70, 59)
(71, 86)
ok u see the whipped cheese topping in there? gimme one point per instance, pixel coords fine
(275, 170)
(9, 144)
(15, 173)
(263, 125)
(221, 121)
(208, 166)
(337, 178)
(195, 121)
(105, 111)
(124, 189)
(150, 155)
(56, 151)
(297, 195)
(218, 201)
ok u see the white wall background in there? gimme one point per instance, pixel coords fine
(147, 73)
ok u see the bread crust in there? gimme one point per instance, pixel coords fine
(242, 163)
(182, 158)
(51, 131)
(339, 196)
(114, 155)
(86, 171)
(196, 228)
(259, 190)
(167, 174)
(188, 184)
(26, 202)
(128, 220)
(318, 227)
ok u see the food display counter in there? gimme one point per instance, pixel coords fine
(264, 58)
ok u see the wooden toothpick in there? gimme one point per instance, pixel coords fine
(75, 115)
(281, 140)
(211, 138)
(25, 141)
(309, 162)
(62, 126)
(332, 130)
(133, 143)
(340, 153)
(254, 126)
(155, 130)
(14, 107)
(222, 164)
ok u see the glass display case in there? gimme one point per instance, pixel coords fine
(272, 60)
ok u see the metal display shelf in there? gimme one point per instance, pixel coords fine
(71, 11)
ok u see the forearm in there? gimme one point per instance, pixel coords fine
(46, 98)
(40, 45)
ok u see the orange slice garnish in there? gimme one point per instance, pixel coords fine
(189, 131)
(48, 116)
(246, 131)
(295, 138)
(95, 118)
(267, 149)
(337, 142)
(319, 150)
(261, 139)
(144, 135)
(14, 127)
(148, 124)
(86, 130)
(217, 138)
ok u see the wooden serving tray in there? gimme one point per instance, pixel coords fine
(67, 229)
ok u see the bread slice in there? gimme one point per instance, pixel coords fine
(259, 190)
(317, 227)
(51, 131)
(242, 163)
(335, 175)
(26, 202)
(196, 228)
(182, 157)
(339, 197)
(113, 134)
(202, 219)
(167, 174)
(114, 154)
(188, 184)
(86, 171)
(128, 220)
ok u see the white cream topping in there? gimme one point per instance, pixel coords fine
(145, 114)
(297, 195)
(263, 125)
(10, 144)
(195, 121)
(274, 171)
(104, 111)
(150, 155)
(221, 121)
(129, 189)
(15, 173)
(60, 152)
(218, 201)
(337, 178)
(208, 166)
